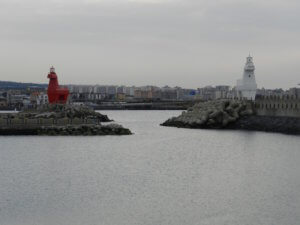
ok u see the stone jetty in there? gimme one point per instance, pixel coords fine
(211, 114)
(232, 114)
(57, 120)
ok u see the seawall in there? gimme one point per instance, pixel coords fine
(277, 106)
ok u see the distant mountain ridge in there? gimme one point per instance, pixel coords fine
(19, 85)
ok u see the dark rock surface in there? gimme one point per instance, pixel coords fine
(286, 125)
(69, 130)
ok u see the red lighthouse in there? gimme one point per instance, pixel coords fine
(56, 94)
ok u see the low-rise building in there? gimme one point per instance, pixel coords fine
(39, 98)
(3, 102)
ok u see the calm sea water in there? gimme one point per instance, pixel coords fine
(158, 176)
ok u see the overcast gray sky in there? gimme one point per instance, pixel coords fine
(189, 43)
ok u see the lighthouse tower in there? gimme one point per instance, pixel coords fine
(247, 86)
(56, 94)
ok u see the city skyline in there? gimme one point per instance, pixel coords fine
(150, 42)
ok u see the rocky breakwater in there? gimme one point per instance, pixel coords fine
(58, 111)
(59, 120)
(211, 114)
(232, 114)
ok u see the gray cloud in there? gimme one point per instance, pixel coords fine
(190, 43)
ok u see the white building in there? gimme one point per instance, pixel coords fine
(247, 86)
(42, 99)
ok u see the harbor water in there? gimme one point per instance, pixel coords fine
(159, 175)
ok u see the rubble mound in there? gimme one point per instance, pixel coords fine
(211, 114)
(65, 111)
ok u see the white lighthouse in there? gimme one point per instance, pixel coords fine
(246, 88)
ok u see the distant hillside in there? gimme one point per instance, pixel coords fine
(18, 85)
